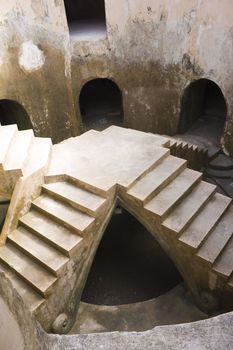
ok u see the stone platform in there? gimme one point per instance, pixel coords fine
(54, 230)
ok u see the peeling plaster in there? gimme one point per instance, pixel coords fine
(31, 58)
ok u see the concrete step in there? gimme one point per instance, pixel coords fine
(81, 184)
(189, 208)
(224, 263)
(162, 204)
(162, 154)
(54, 234)
(153, 182)
(38, 250)
(39, 155)
(30, 297)
(79, 198)
(63, 214)
(18, 150)
(33, 274)
(7, 133)
(218, 239)
(202, 225)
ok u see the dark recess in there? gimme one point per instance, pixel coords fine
(100, 104)
(203, 110)
(11, 112)
(85, 11)
(129, 266)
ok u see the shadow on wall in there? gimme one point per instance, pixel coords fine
(11, 112)
(203, 111)
(100, 104)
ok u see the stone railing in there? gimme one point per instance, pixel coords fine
(26, 190)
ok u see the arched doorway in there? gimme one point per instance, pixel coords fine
(203, 112)
(11, 112)
(130, 266)
(100, 104)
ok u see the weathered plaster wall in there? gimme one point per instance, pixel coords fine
(153, 50)
(34, 64)
(14, 339)
(18, 329)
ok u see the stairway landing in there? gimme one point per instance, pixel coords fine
(104, 159)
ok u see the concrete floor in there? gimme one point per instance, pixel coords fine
(102, 120)
(173, 307)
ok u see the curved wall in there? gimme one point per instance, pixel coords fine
(153, 51)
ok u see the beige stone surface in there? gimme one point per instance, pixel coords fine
(38, 155)
(112, 158)
(27, 242)
(224, 264)
(202, 225)
(169, 197)
(30, 297)
(10, 332)
(58, 236)
(6, 134)
(189, 208)
(61, 230)
(35, 275)
(18, 150)
(63, 213)
(21, 154)
(219, 237)
(156, 180)
(76, 196)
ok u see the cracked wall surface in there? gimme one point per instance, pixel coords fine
(33, 64)
(152, 50)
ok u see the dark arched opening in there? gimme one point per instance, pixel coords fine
(203, 111)
(11, 112)
(86, 19)
(100, 104)
(129, 266)
(4, 205)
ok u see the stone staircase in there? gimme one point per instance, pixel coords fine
(196, 155)
(47, 241)
(191, 220)
(21, 153)
(49, 253)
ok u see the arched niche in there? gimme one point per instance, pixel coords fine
(203, 110)
(12, 112)
(100, 104)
